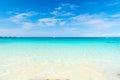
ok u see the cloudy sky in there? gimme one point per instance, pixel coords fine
(60, 18)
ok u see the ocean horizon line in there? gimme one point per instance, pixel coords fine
(57, 37)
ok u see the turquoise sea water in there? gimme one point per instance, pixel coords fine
(17, 53)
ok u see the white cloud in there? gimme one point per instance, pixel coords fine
(62, 23)
(21, 17)
(24, 20)
(98, 21)
(116, 15)
(64, 10)
(113, 3)
(47, 22)
(28, 25)
(92, 21)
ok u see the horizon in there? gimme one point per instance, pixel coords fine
(61, 18)
(56, 37)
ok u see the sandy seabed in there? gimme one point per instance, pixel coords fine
(85, 70)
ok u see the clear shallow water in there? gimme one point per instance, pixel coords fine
(39, 58)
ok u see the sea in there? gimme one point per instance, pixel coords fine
(60, 58)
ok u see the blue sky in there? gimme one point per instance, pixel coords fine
(60, 18)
